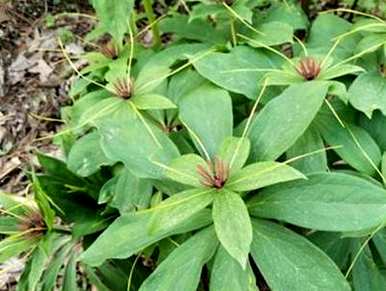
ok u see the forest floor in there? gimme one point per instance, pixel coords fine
(34, 81)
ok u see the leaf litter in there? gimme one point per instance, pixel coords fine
(34, 81)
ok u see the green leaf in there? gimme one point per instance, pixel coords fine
(175, 210)
(120, 142)
(284, 119)
(131, 192)
(100, 110)
(84, 103)
(368, 93)
(158, 67)
(90, 223)
(334, 245)
(357, 146)
(58, 170)
(204, 11)
(78, 207)
(35, 266)
(375, 127)
(290, 262)
(127, 235)
(95, 279)
(86, 155)
(52, 271)
(330, 202)
(13, 246)
(207, 111)
(188, 259)
(69, 279)
(9, 224)
(117, 70)
(383, 165)
(239, 71)
(182, 83)
(244, 9)
(370, 43)
(14, 204)
(323, 31)
(289, 13)
(115, 274)
(234, 152)
(272, 33)
(368, 24)
(113, 16)
(380, 242)
(152, 101)
(44, 203)
(286, 76)
(309, 142)
(339, 71)
(262, 174)
(197, 29)
(366, 275)
(227, 274)
(108, 190)
(78, 87)
(96, 60)
(338, 89)
(233, 225)
(184, 170)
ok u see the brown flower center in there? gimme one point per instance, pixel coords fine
(110, 50)
(33, 225)
(309, 68)
(124, 88)
(216, 175)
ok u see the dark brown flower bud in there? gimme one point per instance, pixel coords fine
(309, 68)
(216, 175)
(32, 225)
(124, 88)
(110, 50)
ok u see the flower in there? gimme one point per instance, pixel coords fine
(309, 68)
(216, 175)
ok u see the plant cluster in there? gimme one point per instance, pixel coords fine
(246, 153)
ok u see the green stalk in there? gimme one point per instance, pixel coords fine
(61, 229)
(233, 31)
(133, 19)
(154, 27)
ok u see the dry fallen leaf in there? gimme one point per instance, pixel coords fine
(4, 12)
(43, 69)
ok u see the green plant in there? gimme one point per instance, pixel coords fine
(65, 35)
(49, 21)
(238, 154)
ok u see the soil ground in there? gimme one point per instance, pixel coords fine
(34, 81)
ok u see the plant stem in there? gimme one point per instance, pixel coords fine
(233, 31)
(154, 28)
(133, 19)
(61, 228)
